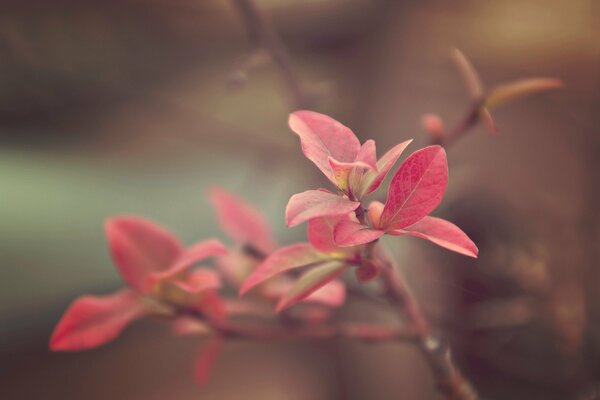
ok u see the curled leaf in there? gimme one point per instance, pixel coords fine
(316, 203)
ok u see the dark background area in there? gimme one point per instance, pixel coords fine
(134, 106)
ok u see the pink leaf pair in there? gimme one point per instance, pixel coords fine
(337, 152)
(416, 189)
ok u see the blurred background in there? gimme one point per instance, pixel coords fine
(134, 106)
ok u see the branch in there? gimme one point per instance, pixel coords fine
(449, 379)
(261, 33)
(363, 332)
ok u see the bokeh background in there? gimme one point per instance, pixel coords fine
(139, 106)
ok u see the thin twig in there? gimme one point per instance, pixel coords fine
(262, 33)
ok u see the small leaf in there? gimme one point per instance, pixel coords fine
(368, 154)
(322, 137)
(193, 255)
(316, 203)
(468, 73)
(332, 294)
(374, 212)
(416, 189)
(320, 233)
(372, 179)
(286, 258)
(140, 247)
(351, 233)
(207, 358)
(94, 320)
(443, 233)
(242, 222)
(341, 171)
(433, 124)
(312, 280)
(504, 93)
(199, 281)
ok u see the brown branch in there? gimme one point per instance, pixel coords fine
(262, 33)
(364, 332)
(449, 379)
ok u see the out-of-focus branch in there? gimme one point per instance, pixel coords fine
(358, 331)
(262, 33)
(450, 380)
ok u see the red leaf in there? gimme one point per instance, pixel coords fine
(416, 189)
(351, 233)
(286, 258)
(311, 281)
(320, 232)
(332, 294)
(140, 247)
(207, 358)
(94, 320)
(316, 203)
(212, 305)
(242, 222)
(372, 179)
(193, 255)
(442, 233)
(322, 137)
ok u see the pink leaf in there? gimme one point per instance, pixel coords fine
(241, 222)
(320, 232)
(332, 294)
(416, 189)
(94, 320)
(311, 281)
(374, 212)
(442, 233)
(207, 358)
(322, 137)
(368, 154)
(199, 281)
(286, 258)
(196, 253)
(350, 233)
(316, 203)
(433, 124)
(373, 179)
(140, 247)
(341, 171)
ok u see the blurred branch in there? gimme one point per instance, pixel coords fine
(262, 33)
